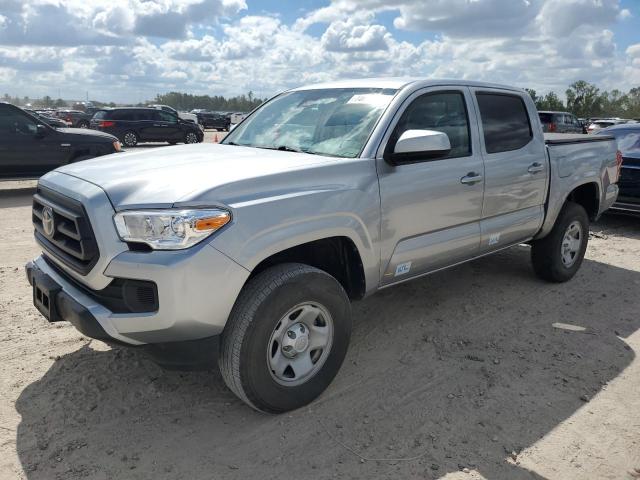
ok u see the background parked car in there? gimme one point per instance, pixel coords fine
(189, 117)
(75, 118)
(30, 148)
(133, 125)
(217, 120)
(49, 120)
(598, 125)
(236, 118)
(628, 137)
(560, 122)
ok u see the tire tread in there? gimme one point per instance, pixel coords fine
(251, 297)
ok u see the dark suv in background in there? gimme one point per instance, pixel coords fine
(133, 125)
(560, 122)
(75, 118)
(216, 120)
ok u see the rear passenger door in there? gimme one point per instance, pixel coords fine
(516, 169)
(431, 208)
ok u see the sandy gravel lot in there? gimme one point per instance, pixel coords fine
(460, 375)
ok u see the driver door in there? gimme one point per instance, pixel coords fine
(23, 152)
(432, 207)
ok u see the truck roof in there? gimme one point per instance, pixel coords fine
(400, 82)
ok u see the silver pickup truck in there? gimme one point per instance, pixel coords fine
(252, 250)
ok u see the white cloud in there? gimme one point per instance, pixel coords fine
(349, 36)
(124, 49)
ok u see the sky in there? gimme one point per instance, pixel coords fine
(130, 50)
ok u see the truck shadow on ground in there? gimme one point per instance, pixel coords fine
(459, 369)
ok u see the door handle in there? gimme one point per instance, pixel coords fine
(535, 168)
(157, 125)
(471, 178)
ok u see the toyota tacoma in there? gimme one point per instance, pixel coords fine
(323, 195)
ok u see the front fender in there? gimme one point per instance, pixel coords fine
(259, 231)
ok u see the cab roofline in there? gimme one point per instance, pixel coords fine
(400, 82)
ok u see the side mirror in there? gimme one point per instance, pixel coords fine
(415, 145)
(41, 130)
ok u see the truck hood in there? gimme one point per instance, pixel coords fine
(199, 174)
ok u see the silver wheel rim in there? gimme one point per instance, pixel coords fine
(191, 138)
(129, 139)
(300, 344)
(571, 244)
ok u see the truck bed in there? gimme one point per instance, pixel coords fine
(565, 138)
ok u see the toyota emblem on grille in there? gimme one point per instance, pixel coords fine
(48, 224)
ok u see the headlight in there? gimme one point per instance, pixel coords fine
(169, 229)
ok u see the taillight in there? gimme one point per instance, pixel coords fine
(104, 124)
(552, 127)
(618, 164)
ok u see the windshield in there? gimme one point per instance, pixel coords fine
(335, 122)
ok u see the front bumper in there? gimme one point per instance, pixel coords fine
(63, 306)
(197, 288)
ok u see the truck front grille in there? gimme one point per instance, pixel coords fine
(63, 230)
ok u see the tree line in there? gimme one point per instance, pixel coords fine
(585, 100)
(177, 100)
(187, 102)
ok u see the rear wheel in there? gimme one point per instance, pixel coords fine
(286, 337)
(558, 256)
(130, 139)
(83, 124)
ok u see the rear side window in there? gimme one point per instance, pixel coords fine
(122, 115)
(546, 117)
(145, 115)
(100, 114)
(505, 122)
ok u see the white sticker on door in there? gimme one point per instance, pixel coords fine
(403, 268)
(494, 238)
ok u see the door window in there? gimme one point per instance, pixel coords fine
(14, 123)
(167, 117)
(505, 122)
(443, 112)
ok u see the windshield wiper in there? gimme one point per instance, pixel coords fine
(286, 148)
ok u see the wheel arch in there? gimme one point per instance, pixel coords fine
(337, 255)
(588, 196)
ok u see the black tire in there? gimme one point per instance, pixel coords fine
(546, 253)
(190, 138)
(173, 143)
(83, 124)
(129, 139)
(243, 357)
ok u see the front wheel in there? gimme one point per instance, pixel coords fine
(558, 256)
(191, 138)
(286, 337)
(83, 124)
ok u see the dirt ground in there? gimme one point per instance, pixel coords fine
(460, 375)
